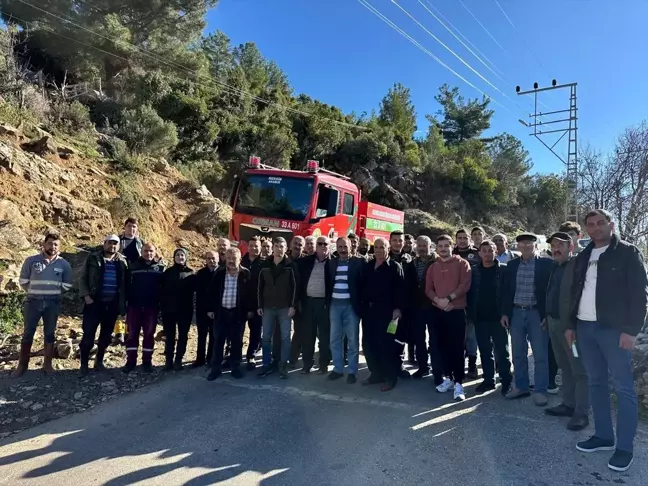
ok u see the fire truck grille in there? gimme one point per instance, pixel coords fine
(248, 231)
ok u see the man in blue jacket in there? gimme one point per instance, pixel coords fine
(524, 295)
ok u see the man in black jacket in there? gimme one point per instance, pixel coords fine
(524, 295)
(277, 298)
(398, 254)
(176, 302)
(103, 288)
(608, 310)
(421, 312)
(253, 261)
(484, 311)
(315, 279)
(204, 323)
(342, 293)
(382, 287)
(232, 304)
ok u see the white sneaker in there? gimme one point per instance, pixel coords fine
(446, 386)
(459, 394)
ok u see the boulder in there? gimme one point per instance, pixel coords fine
(61, 209)
(10, 211)
(41, 146)
(64, 350)
(210, 218)
(30, 166)
(10, 132)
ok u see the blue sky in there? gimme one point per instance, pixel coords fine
(339, 52)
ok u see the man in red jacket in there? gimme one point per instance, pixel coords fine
(446, 284)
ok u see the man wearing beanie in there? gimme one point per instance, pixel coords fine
(176, 302)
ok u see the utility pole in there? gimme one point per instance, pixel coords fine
(566, 121)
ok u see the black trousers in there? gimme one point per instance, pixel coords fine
(254, 344)
(205, 327)
(491, 336)
(102, 315)
(421, 323)
(172, 321)
(450, 330)
(381, 350)
(316, 325)
(229, 326)
(297, 341)
(553, 365)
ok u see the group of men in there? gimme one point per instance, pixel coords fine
(447, 303)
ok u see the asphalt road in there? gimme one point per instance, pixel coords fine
(307, 431)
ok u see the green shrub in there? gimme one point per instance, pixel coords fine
(127, 204)
(205, 172)
(145, 132)
(71, 118)
(125, 161)
(11, 316)
(13, 115)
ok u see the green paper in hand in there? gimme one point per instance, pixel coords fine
(392, 327)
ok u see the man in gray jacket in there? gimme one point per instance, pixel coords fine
(575, 385)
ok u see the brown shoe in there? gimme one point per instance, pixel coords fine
(47, 361)
(23, 360)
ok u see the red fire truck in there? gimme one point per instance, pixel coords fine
(273, 202)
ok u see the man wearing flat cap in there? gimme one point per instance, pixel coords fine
(523, 310)
(575, 387)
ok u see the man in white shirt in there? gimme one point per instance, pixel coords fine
(608, 309)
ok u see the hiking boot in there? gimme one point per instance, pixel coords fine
(23, 360)
(484, 387)
(351, 379)
(421, 373)
(128, 368)
(334, 375)
(620, 461)
(214, 374)
(578, 422)
(515, 394)
(561, 410)
(594, 444)
(147, 367)
(236, 373)
(47, 361)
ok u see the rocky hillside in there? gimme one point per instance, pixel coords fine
(47, 183)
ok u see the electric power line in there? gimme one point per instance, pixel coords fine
(231, 89)
(482, 25)
(391, 24)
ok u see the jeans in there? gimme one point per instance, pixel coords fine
(34, 309)
(575, 386)
(344, 323)
(491, 336)
(602, 356)
(269, 320)
(229, 326)
(526, 325)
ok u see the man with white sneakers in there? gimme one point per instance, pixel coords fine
(446, 284)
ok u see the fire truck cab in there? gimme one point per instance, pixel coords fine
(273, 202)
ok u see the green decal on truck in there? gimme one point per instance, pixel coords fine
(377, 225)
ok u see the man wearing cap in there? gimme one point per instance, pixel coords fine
(607, 311)
(503, 254)
(573, 229)
(575, 403)
(524, 295)
(102, 286)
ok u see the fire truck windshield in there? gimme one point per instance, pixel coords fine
(274, 196)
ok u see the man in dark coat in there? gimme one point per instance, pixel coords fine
(204, 323)
(381, 287)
